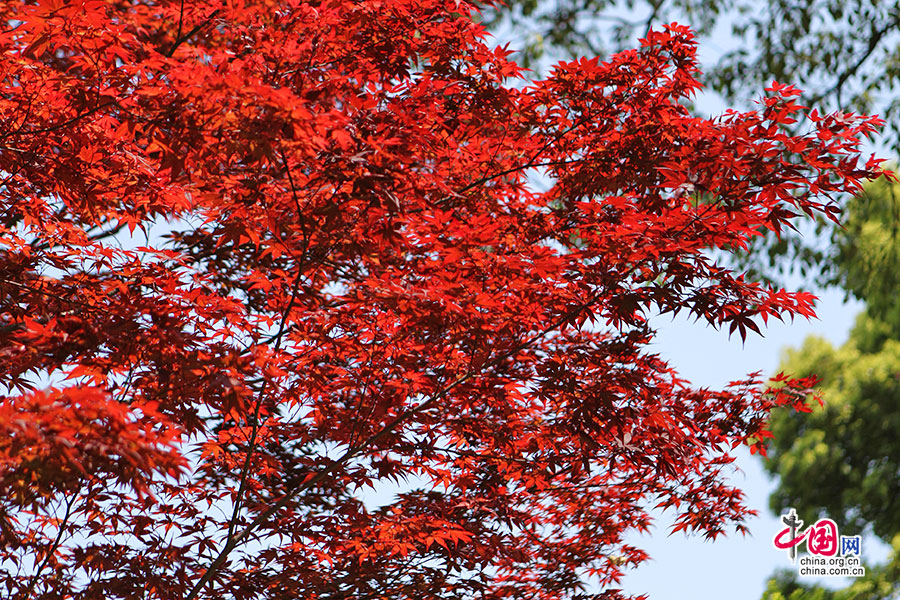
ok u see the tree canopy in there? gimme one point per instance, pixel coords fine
(347, 281)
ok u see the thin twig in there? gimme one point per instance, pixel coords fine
(53, 548)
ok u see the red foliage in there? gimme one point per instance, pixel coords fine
(349, 280)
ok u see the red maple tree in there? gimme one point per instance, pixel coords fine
(347, 279)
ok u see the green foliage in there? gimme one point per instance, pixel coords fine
(867, 252)
(784, 586)
(571, 28)
(843, 459)
(879, 583)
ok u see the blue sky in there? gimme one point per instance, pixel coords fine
(695, 569)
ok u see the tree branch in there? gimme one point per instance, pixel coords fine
(180, 40)
(354, 451)
(53, 548)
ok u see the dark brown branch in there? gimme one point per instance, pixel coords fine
(53, 548)
(279, 336)
(874, 40)
(182, 39)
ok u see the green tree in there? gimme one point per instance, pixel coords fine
(880, 583)
(843, 459)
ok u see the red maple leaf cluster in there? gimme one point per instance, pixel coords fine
(258, 256)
